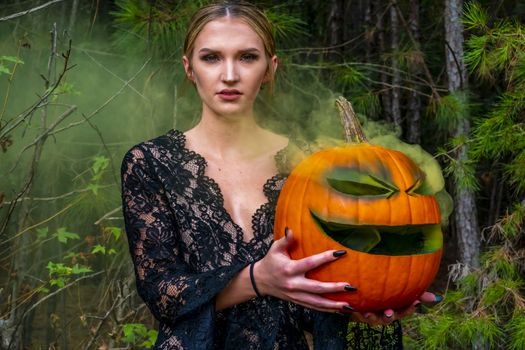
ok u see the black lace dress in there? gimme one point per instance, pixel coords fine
(186, 248)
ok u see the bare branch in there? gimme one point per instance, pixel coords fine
(105, 216)
(113, 74)
(43, 135)
(51, 295)
(4, 130)
(62, 196)
(116, 303)
(108, 101)
(111, 162)
(26, 12)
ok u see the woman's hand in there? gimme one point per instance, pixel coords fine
(388, 316)
(278, 275)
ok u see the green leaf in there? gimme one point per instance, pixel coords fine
(115, 231)
(42, 289)
(100, 163)
(152, 339)
(59, 282)
(94, 188)
(98, 249)
(133, 331)
(78, 269)
(62, 235)
(66, 88)
(71, 255)
(42, 232)
(4, 69)
(13, 59)
(112, 251)
(58, 268)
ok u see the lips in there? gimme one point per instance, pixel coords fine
(383, 240)
(229, 94)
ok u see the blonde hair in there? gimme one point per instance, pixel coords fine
(244, 11)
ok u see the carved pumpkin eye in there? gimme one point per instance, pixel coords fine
(421, 186)
(355, 183)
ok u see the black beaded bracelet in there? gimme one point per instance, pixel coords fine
(253, 280)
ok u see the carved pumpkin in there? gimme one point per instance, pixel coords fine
(374, 203)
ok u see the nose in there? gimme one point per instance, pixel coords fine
(230, 73)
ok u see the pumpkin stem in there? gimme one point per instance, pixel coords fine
(353, 130)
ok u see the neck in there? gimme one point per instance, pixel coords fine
(228, 137)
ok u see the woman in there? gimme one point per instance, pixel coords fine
(199, 209)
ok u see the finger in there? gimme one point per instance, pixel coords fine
(372, 319)
(388, 316)
(283, 243)
(313, 261)
(316, 287)
(401, 313)
(428, 297)
(317, 308)
(317, 302)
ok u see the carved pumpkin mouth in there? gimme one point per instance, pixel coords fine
(383, 240)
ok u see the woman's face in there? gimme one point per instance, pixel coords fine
(228, 65)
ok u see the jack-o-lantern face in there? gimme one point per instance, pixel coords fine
(374, 203)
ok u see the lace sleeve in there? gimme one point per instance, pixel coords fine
(167, 285)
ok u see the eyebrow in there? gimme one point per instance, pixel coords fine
(208, 50)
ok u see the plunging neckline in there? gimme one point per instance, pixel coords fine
(239, 230)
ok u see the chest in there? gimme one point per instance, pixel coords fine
(241, 186)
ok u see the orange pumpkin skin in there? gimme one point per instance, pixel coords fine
(383, 281)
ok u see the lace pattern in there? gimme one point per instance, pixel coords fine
(185, 249)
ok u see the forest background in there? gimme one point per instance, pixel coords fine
(83, 81)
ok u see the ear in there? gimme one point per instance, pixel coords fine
(274, 62)
(187, 67)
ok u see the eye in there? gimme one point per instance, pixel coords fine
(249, 57)
(356, 183)
(210, 58)
(421, 186)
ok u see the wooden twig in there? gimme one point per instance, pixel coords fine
(111, 162)
(26, 12)
(111, 98)
(113, 211)
(44, 134)
(54, 198)
(47, 297)
(113, 74)
(7, 128)
(116, 303)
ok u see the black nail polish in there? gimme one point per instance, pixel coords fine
(339, 253)
(286, 231)
(348, 308)
(350, 288)
(438, 298)
(339, 313)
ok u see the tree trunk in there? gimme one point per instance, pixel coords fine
(73, 17)
(385, 93)
(396, 76)
(335, 30)
(22, 258)
(414, 100)
(368, 31)
(465, 206)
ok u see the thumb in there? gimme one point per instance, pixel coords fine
(285, 242)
